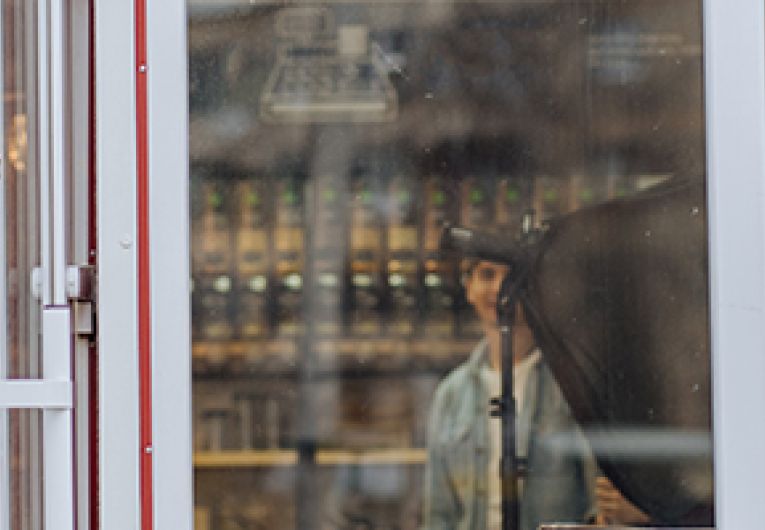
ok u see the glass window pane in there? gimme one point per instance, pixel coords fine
(343, 360)
(21, 189)
(21, 429)
(25, 469)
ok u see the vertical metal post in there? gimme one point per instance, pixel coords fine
(57, 138)
(118, 455)
(168, 177)
(37, 513)
(57, 427)
(509, 463)
(305, 484)
(79, 211)
(29, 230)
(43, 128)
(58, 453)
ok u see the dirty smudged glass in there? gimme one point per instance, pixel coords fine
(329, 143)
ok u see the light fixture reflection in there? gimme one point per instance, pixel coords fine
(18, 142)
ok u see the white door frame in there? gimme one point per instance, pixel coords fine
(734, 43)
(123, 497)
(734, 39)
(170, 271)
(115, 135)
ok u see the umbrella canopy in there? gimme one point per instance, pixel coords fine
(617, 298)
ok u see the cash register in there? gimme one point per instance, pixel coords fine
(326, 74)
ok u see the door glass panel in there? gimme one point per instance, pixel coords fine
(343, 361)
(21, 190)
(25, 469)
(22, 428)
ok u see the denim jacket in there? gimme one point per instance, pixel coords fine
(559, 486)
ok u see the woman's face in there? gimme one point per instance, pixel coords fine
(482, 287)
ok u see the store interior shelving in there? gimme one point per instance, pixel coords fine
(324, 315)
(324, 457)
(332, 356)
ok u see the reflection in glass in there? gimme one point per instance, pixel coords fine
(329, 144)
(22, 255)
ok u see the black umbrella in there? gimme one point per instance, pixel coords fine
(617, 298)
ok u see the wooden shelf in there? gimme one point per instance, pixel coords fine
(281, 357)
(324, 457)
(213, 350)
(413, 456)
(263, 458)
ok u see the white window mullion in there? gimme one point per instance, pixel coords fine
(78, 83)
(58, 464)
(30, 228)
(168, 131)
(58, 454)
(119, 481)
(58, 476)
(57, 138)
(43, 117)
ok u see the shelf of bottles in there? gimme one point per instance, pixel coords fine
(343, 275)
(381, 283)
(381, 287)
(385, 302)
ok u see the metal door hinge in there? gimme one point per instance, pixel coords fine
(80, 290)
(80, 282)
